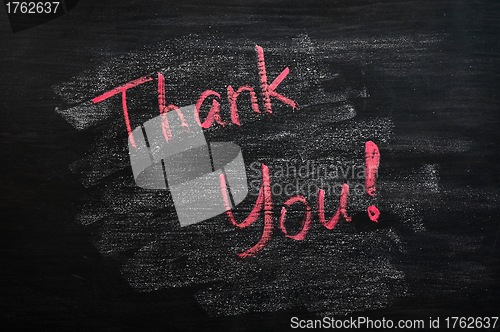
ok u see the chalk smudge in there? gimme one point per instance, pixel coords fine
(330, 272)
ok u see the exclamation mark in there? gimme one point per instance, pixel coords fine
(372, 161)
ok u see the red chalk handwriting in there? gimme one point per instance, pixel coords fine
(264, 200)
(372, 162)
(306, 221)
(214, 113)
(373, 213)
(372, 159)
(268, 91)
(342, 210)
(123, 89)
(233, 96)
(164, 109)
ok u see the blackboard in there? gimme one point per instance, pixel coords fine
(307, 93)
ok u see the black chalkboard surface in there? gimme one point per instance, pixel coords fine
(250, 165)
